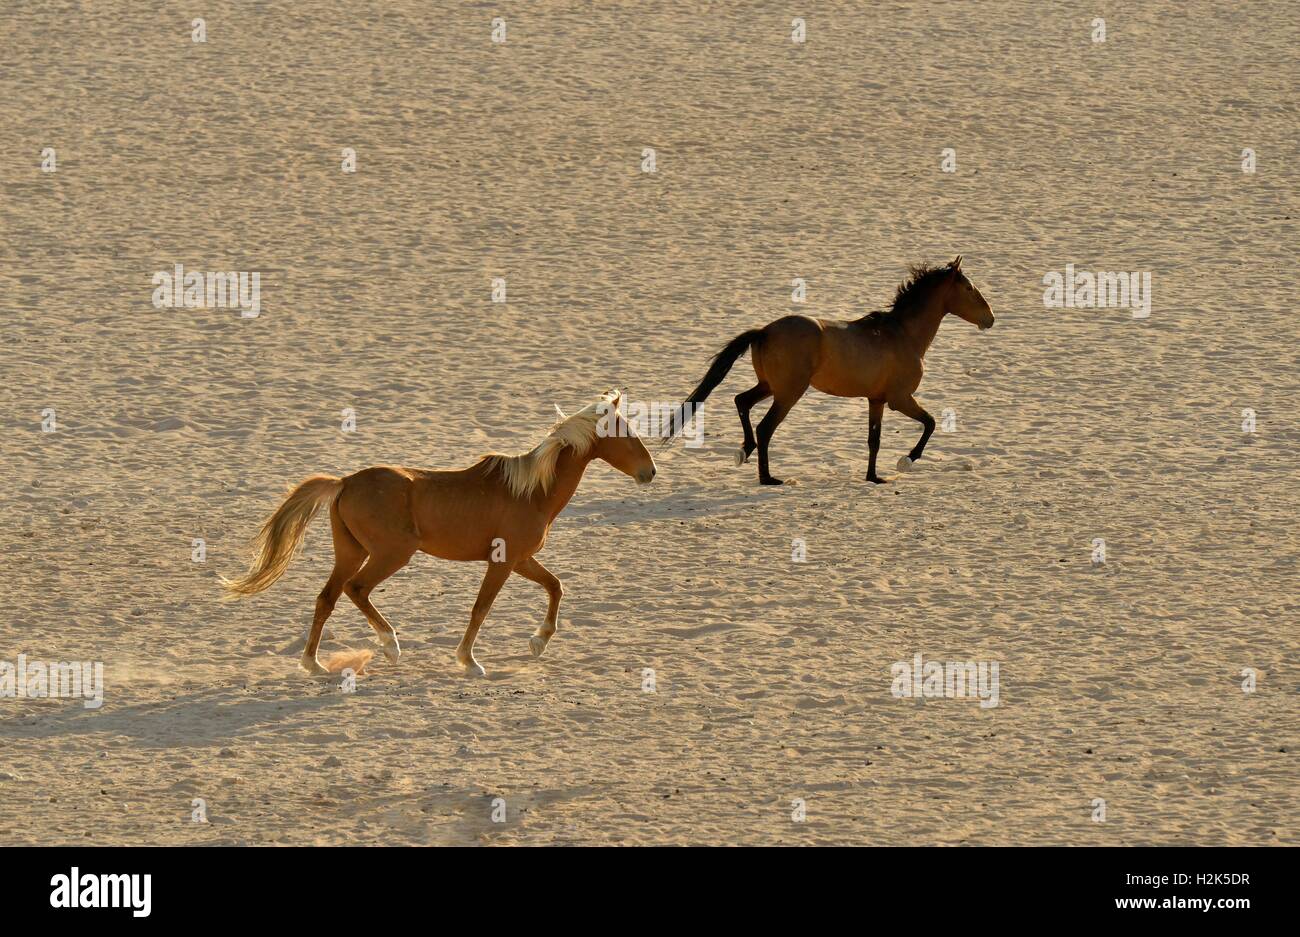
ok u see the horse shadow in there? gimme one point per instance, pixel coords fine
(212, 716)
(696, 499)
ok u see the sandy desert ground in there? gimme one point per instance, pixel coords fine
(774, 160)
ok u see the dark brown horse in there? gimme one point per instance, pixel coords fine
(878, 357)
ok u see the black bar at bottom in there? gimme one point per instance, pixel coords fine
(225, 886)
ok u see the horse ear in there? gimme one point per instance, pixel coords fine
(613, 395)
(956, 264)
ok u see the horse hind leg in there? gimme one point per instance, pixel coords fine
(380, 566)
(745, 402)
(348, 557)
(780, 409)
(785, 362)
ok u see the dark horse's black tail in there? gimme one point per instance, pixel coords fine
(721, 364)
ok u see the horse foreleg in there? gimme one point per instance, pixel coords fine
(873, 439)
(909, 407)
(531, 569)
(493, 580)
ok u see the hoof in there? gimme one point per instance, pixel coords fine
(537, 644)
(770, 481)
(473, 668)
(875, 479)
(904, 464)
(393, 650)
(741, 456)
(312, 666)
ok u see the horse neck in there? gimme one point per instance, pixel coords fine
(569, 467)
(923, 324)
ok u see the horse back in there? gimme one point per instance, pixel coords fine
(859, 358)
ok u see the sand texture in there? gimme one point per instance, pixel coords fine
(775, 160)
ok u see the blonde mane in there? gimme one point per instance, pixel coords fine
(529, 472)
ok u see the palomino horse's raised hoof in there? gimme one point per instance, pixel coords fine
(392, 650)
(741, 456)
(537, 644)
(313, 667)
(904, 464)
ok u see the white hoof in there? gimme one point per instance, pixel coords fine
(312, 666)
(393, 650)
(904, 464)
(741, 456)
(473, 669)
(537, 644)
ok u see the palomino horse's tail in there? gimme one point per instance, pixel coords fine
(283, 533)
(721, 364)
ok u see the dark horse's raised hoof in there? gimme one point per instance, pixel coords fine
(875, 479)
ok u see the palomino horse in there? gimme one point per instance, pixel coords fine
(498, 510)
(878, 357)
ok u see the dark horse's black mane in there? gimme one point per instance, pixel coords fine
(907, 298)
